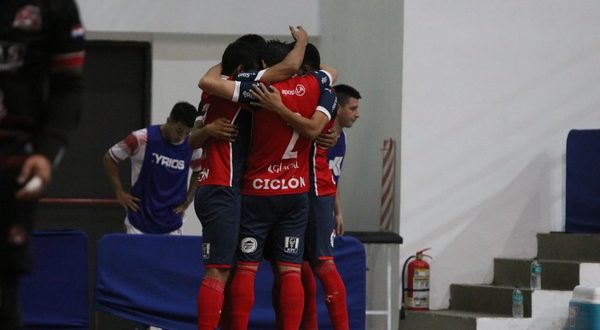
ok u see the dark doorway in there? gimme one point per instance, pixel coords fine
(117, 78)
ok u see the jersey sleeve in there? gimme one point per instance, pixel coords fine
(67, 35)
(324, 78)
(327, 102)
(196, 164)
(250, 76)
(129, 146)
(242, 91)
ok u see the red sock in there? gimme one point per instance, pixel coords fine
(309, 315)
(291, 299)
(242, 296)
(335, 294)
(210, 302)
(225, 320)
(275, 297)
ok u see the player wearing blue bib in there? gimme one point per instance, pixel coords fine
(160, 160)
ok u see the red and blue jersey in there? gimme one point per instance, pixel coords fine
(336, 155)
(223, 162)
(321, 176)
(278, 160)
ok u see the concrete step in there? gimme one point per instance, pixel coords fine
(569, 247)
(446, 319)
(556, 274)
(487, 298)
(550, 311)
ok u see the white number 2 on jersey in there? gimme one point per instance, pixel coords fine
(289, 154)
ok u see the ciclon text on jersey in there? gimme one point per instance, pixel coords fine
(278, 184)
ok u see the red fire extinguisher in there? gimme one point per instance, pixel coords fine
(416, 288)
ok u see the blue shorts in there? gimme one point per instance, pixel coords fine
(320, 231)
(279, 222)
(218, 209)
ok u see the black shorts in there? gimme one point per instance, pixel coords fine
(320, 231)
(218, 209)
(279, 219)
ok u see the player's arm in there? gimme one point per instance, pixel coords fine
(212, 83)
(338, 215)
(270, 99)
(65, 99)
(293, 60)
(221, 128)
(111, 167)
(328, 139)
(193, 184)
(111, 160)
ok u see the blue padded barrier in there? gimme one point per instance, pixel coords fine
(154, 279)
(55, 294)
(582, 198)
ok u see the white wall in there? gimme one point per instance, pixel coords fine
(363, 40)
(491, 89)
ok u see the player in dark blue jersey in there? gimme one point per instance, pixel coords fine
(41, 57)
(347, 115)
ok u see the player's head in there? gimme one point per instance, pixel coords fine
(312, 58)
(239, 56)
(347, 112)
(258, 42)
(180, 122)
(275, 51)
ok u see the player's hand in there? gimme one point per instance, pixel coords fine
(328, 139)
(339, 224)
(222, 128)
(299, 34)
(128, 201)
(181, 208)
(267, 97)
(35, 176)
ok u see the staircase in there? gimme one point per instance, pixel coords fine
(567, 260)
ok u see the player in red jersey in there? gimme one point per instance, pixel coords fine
(275, 184)
(218, 198)
(321, 229)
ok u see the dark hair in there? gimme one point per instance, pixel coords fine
(184, 113)
(275, 51)
(239, 53)
(312, 58)
(344, 92)
(258, 42)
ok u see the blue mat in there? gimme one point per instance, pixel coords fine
(582, 200)
(154, 279)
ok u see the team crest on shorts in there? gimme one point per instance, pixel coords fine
(248, 244)
(291, 244)
(205, 250)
